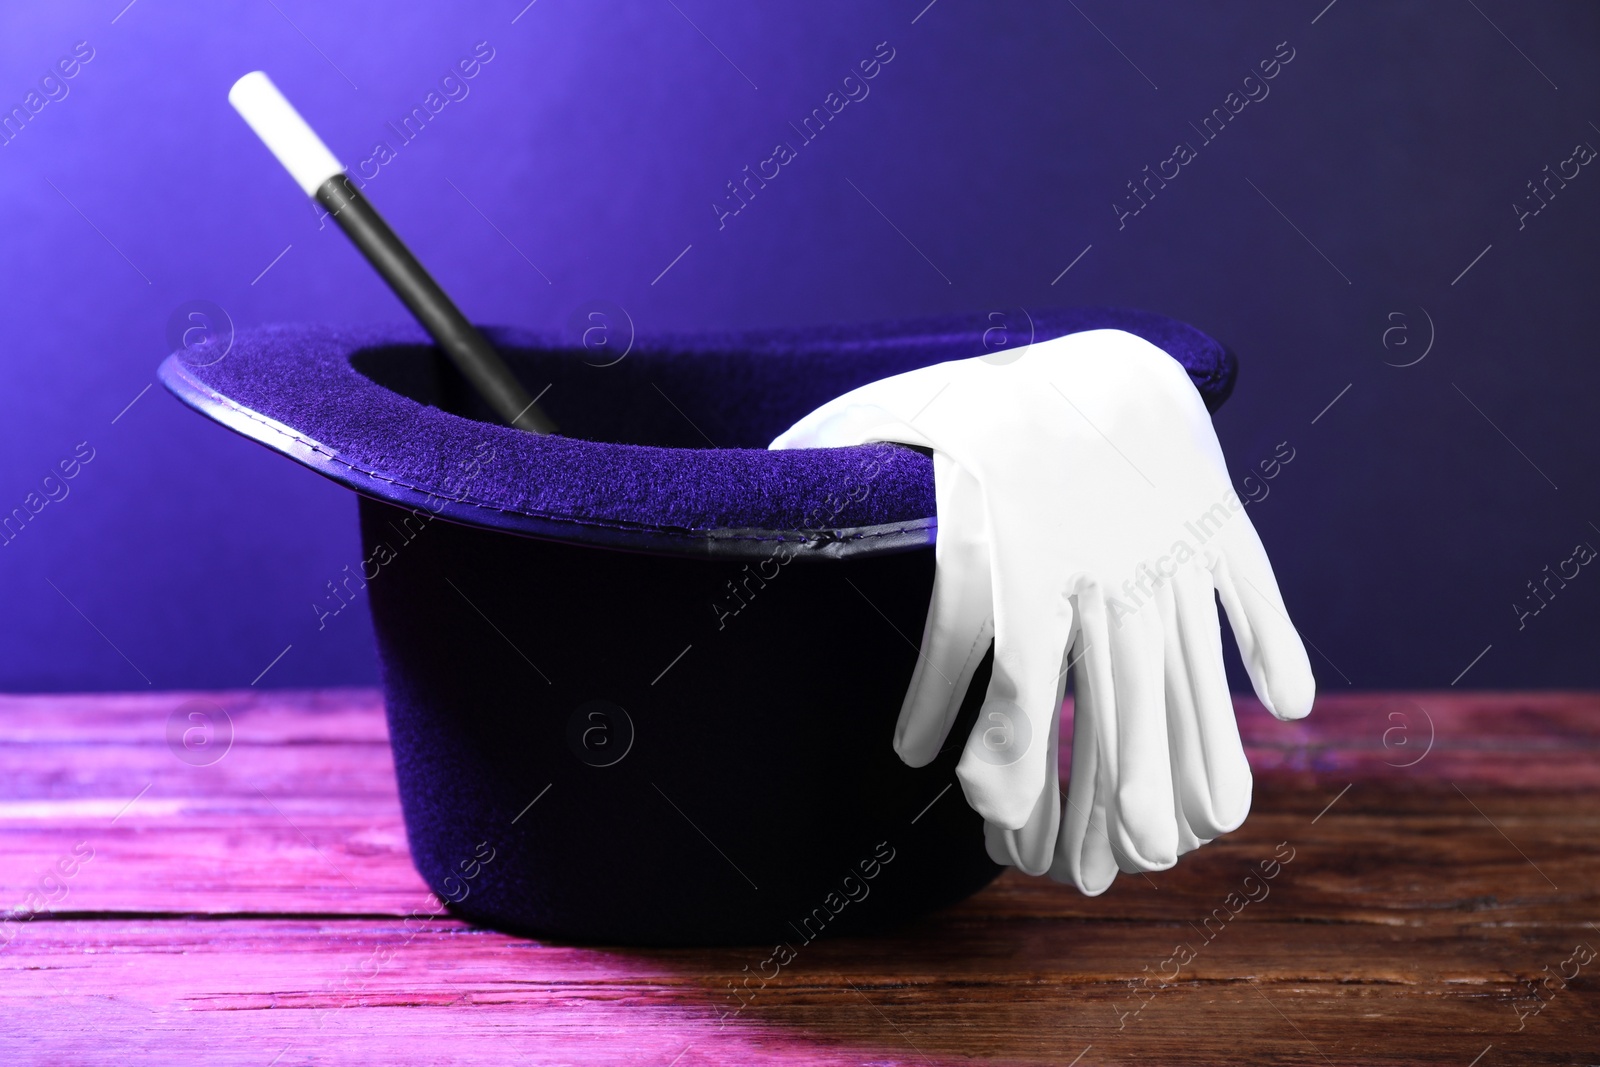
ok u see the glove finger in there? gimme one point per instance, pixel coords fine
(1083, 849)
(1209, 769)
(1032, 848)
(1002, 771)
(1187, 839)
(1273, 654)
(1146, 832)
(960, 622)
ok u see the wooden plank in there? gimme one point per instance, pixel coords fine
(1363, 866)
(1014, 992)
(299, 814)
(251, 909)
(262, 716)
(1553, 721)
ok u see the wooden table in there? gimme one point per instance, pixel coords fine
(1433, 904)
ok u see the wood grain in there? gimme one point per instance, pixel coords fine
(254, 912)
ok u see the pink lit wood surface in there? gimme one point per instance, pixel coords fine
(1445, 871)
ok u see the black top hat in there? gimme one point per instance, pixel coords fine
(608, 622)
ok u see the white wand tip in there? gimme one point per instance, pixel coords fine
(283, 131)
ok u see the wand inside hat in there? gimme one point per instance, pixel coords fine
(309, 162)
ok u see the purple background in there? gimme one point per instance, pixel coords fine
(995, 143)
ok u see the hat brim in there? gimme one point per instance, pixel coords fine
(663, 445)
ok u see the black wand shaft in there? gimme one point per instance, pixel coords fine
(471, 353)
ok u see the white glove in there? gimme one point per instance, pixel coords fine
(1085, 516)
